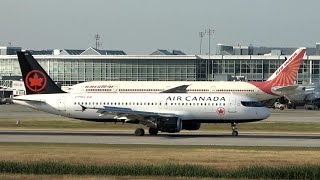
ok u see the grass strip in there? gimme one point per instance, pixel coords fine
(139, 147)
(173, 170)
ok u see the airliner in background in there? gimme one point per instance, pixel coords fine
(280, 83)
(309, 97)
(165, 112)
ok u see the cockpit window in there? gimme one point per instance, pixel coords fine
(251, 104)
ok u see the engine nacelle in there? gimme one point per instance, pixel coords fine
(169, 124)
(191, 125)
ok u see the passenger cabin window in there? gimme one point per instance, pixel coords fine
(251, 104)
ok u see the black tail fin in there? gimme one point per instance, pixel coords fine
(36, 80)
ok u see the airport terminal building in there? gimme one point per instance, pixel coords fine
(70, 67)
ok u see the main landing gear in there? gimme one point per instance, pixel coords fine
(139, 132)
(234, 129)
(152, 131)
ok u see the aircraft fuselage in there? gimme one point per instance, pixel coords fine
(201, 107)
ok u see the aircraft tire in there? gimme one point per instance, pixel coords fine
(235, 133)
(139, 132)
(153, 131)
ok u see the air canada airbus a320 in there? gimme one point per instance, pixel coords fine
(165, 112)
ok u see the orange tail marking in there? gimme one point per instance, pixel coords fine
(287, 73)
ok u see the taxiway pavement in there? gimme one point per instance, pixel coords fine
(184, 138)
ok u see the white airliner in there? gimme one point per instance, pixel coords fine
(165, 112)
(280, 83)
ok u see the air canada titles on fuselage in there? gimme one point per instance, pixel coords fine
(195, 98)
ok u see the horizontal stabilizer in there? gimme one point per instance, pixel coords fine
(29, 100)
(288, 89)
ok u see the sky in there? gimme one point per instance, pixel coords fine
(142, 26)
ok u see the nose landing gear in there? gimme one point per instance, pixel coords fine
(234, 129)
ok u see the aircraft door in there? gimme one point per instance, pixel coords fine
(232, 105)
(213, 89)
(116, 88)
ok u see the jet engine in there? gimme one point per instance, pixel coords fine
(169, 124)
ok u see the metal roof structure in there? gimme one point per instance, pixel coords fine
(167, 52)
(71, 51)
(94, 51)
(178, 52)
(41, 52)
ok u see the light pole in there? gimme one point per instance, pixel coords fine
(210, 32)
(201, 34)
(97, 37)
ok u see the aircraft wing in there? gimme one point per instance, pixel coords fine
(177, 89)
(128, 113)
(288, 89)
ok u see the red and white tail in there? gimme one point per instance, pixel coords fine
(287, 72)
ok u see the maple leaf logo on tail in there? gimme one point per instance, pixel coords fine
(36, 81)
